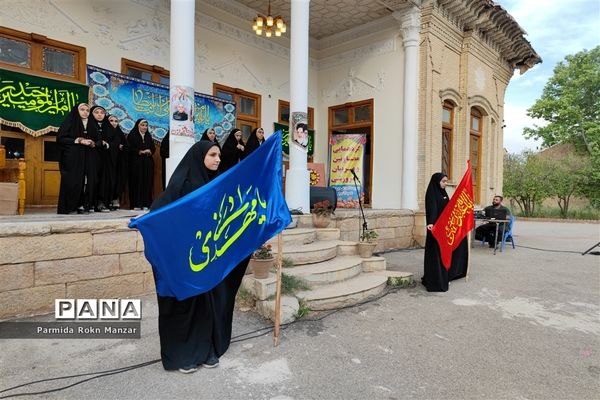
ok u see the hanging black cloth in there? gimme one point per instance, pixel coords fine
(189, 328)
(231, 154)
(436, 277)
(78, 164)
(252, 143)
(141, 167)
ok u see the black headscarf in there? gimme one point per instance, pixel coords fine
(231, 155)
(252, 143)
(72, 126)
(190, 174)
(436, 198)
(205, 137)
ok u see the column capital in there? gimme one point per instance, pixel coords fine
(410, 24)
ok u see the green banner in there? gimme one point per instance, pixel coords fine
(37, 105)
(286, 138)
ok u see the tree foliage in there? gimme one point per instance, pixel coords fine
(526, 178)
(568, 176)
(570, 104)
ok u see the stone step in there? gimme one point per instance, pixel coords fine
(374, 264)
(311, 253)
(335, 270)
(397, 278)
(328, 234)
(296, 236)
(349, 292)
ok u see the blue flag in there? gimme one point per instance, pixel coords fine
(195, 241)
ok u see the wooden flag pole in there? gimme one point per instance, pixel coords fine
(278, 289)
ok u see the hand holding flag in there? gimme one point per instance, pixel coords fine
(457, 220)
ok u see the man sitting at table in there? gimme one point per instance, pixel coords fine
(494, 212)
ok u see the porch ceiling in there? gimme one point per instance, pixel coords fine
(328, 17)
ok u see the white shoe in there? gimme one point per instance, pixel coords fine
(188, 370)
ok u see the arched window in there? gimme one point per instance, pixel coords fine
(447, 134)
(475, 132)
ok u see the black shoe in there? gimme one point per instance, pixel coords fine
(492, 245)
(212, 361)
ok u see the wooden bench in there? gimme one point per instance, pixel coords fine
(13, 172)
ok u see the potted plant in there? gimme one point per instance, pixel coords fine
(262, 261)
(368, 242)
(321, 214)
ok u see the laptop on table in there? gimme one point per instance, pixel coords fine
(497, 213)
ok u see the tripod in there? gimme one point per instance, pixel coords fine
(590, 249)
(362, 212)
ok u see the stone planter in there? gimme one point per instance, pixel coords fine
(321, 221)
(261, 268)
(365, 249)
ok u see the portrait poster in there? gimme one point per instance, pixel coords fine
(130, 98)
(285, 131)
(347, 154)
(182, 111)
(300, 129)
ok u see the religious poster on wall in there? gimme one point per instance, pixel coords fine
(182, 111)
(37, 105)
(347, 155)
(300, 129)
(285, 131)
(130, 98)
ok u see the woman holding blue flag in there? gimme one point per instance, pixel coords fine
(196, 331)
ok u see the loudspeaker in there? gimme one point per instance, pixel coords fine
(318, 194)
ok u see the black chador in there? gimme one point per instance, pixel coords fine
(198, 328)
(141, 165)
(78, 163)
(253, 142)
(231, 153)
(436, 277)
(122, 170)
(107, 146)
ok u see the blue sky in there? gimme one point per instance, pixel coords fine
(555, 28)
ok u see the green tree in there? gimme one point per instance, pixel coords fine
(570, 105)
(568, 177)
(526, 180)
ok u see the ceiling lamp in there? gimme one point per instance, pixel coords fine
(269, 25)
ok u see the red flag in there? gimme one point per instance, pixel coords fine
(456, 220)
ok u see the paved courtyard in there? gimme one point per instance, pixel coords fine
(525, 326)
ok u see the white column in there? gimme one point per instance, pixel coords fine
(181, 65)
(297, 183)
(411, 25)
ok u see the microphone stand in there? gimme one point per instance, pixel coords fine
(362, 212)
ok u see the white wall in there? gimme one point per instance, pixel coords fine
(230, 53)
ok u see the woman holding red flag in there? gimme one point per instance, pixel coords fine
(436, 277)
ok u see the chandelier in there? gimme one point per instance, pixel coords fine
(269, 24)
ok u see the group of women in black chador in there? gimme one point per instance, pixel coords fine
(436, 277)
(93, 161)
(97, 161)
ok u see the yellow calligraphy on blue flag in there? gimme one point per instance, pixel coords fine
(194, 242)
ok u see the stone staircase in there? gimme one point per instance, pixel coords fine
(337, 275)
